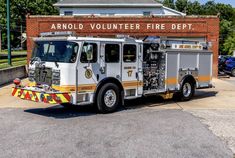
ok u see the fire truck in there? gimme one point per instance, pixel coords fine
(71, 70)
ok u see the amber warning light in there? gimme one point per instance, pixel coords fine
(17, 82)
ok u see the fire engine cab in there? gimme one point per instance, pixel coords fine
(65, 69)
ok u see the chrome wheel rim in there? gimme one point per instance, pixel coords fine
(187, 89)
(110, 98)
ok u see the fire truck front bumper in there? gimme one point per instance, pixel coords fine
(38, 95)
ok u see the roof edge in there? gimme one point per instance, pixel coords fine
(140, 17)
(175, 11)
(109, 5)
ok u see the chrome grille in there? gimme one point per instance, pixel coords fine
(43, 75)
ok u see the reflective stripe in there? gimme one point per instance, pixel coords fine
(38, 96)
(204, 78)
(62, 98)
(130, 84)
(171, 81)
(71, 88)
(52, 98)
(35, 97)
(15, 92)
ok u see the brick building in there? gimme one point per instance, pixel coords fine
(202, 28)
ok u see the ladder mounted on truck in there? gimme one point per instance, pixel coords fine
(174, 43)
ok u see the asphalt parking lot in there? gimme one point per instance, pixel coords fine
(149, 127)
(230, 80)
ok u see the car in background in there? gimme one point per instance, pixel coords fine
(229, 66)
(221, 62)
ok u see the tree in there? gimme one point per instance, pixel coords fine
(194, 8)
(169, 4)
(209, 8)
(229, 45)
(226, 11)
(181, 5)
(227, 25)
(19, 9)
(226, 30)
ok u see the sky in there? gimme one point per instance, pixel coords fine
(232, 2)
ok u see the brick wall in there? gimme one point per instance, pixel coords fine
(189, 26)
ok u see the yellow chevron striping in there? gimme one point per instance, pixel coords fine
(38, 95)
(31, 95)
(23, 94)
(62, 98)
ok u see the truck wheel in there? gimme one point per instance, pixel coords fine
(233, 72)
(187, 90)
(108, 98)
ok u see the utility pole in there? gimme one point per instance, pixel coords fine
(8, 33)
(21, 36)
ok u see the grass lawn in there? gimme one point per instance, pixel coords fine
(14, 52)
(18, 61)
(15, 62)
(2, 61)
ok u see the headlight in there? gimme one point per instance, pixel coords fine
(56, 77)
(56, 82)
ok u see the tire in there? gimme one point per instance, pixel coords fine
(108, 98)
(187, 90)
(233, 72)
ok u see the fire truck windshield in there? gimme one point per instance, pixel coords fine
(55, 51)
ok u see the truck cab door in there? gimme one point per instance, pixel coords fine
(131, 70)
(110, 59)
(87, 71)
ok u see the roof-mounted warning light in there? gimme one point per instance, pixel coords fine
(53, 34)
(152, 39)
(126, 37)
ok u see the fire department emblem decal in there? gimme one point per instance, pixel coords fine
(88, 73)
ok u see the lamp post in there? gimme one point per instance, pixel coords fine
(8, 33)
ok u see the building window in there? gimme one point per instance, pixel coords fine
(112, 53)
(68, 13)
(129, 53)
(147, 13)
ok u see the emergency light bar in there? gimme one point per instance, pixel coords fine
(126, 37)
(62, 33)
(122, 36)
(187, 46)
